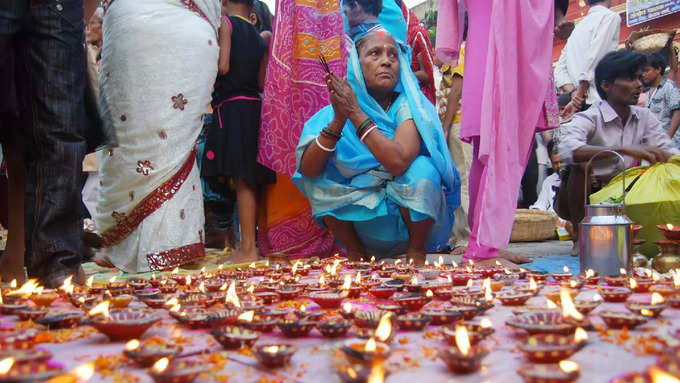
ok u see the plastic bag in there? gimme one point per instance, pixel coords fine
(654, 198)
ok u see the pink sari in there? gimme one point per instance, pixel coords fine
(514, 41)
(294, 91)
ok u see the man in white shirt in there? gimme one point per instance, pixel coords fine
(594, 36)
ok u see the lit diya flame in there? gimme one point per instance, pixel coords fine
(632, 283)
(448, 277)
(203, 270)
(471, 262)
(565, 269)
(89, 281)
(201, 287)
(414, 281)
(1, 302)
(410, 261)
(488, 296)
(670, 226)
(223, 287)
(468, 269)
(334, 268)
(357, 279)
(348, 282)
(220, 267)
(657, 298)
(303, 308)
(370, 345)
(568, 308)
(297, 279)
(676, 278)
(102, 308)
(251, 289)
(427, 263)
(175, 270)
(266, 264)
(580, 335)
(84, 372)
(660, 376)
(572, 284)
(153, 276)
(441, 261)
(112, 279)
(429, 293)
(597, 298)
(252, 265)
(6, 365)
(454, 264)
(623, 271)
(656, 277)
(384, 329)
(322, 281)
(175, 308)
(648, 273)
(498, 263)
(13, 284)
(132, 345)
(398, 261)
(347, 307)
(271, 349)
(590, 273)
(187, 280)
(161, 365)
(485, 323)
(295, 267)
(172, 302)
(27, 289)
(533, 286)
(67, 286)
(568, 366)
(507, 272)
(647, 313)
(232, 298)
(462, 340)
(377, 374)
(469, 283)
(247, 316)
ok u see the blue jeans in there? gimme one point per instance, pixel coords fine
(42, 53)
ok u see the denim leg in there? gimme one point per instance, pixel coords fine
(55, 81)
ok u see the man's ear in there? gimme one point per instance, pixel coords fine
(253, 18)
(605, 85)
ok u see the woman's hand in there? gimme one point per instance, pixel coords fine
(343, 98)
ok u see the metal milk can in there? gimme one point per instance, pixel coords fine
(605, 238)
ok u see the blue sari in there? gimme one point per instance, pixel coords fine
(355, 187)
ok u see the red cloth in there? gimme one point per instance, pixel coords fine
(418, 38)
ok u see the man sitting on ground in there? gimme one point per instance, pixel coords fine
(614, 123)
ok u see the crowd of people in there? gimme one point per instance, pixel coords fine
(333, 126)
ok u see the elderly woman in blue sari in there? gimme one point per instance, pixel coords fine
(374, 164)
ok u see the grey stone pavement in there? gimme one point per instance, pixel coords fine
(527, 249)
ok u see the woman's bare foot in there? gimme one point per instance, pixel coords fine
(103, 261)
(492, 262)
(513, 257)
(459, 250)
(243, 256)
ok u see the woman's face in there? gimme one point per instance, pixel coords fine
(379, 59)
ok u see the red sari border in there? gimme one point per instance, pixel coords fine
(152, 202)
(172, 258)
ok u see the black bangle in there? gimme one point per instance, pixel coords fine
(363, 126)
(327, 131)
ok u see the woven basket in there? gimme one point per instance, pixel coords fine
(533, 225)
(650, 41)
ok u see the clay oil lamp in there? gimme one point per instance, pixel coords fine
(267, 297)
(21, 340)
(117, 288)
(615, 294)
(352, 290)
(334, 328)
(295, 328)
(533, 287)
(35, 355)
(411, 301)
(640, 285)
(539, 277)
(369, 352)
(507, 277)
(590, 277)
(618, 320)
(542, 322)
(288, 293)
(554, 295)
(234, 337)
(146, 293)
(564, 372)
(464, 358)
(461, 279)
(468, 312)
(164, 371)
(443, 294)
(328, 299)
(361, 373)
(514, 298)
(138, 283)
(196, 299)
(674, 301)
(368, 318)
(549, 306)
(665, 290)
(442, 317)
(274, 313)
(309, 315)
(382, 292)
(620, 280)
(549, 348)
(61, 320)
(671, 232)
(413, 322)
(120, 325)
(585, 307)
(168, 286)
(483, 304)
(43, 298)
(651, 309)
(94, 288)
(7, 308)
(477, 331)
(121, 301)
(145, 355)
(347, 311)
(576, 284)
(249, 320)
(393, 308)
(32, 314)
(632, 377)
(564, 276)
(26, 372)
(274, 355)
